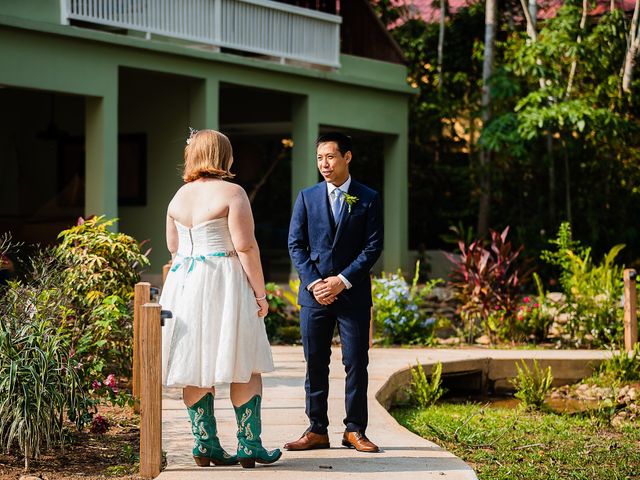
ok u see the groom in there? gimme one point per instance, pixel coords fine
(335, 237)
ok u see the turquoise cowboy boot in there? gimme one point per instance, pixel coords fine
(207, 448)
(250, 449)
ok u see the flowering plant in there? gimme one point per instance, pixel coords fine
(534, 317)
(397, 312)
(108, 390)
(351, 200)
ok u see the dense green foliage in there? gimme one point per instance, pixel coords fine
(41, 375)
(592, 291)
(503, 444)
(565, 146)
(283, 321)
(101, 268)
(62, 323)
(622, 366)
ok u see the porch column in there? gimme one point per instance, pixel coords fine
(396, 202)
(305, 131)
(101, 159)
(204, 104)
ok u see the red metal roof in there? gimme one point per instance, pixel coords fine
(546, 8)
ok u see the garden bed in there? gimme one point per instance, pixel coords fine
(90, 456)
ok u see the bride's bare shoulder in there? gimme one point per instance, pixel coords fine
(235, 191)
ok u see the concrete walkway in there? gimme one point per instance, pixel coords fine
(404, 455)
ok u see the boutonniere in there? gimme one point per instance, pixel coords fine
(350, 199)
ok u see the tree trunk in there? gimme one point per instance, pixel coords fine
(567, 183)
(491, 8)
(532, 24)
(441, 42)
(552, 181)
(574, 63)
(443, 11)
(633, 45)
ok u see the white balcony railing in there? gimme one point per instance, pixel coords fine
(260, 26)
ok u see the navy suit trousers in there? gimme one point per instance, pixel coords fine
(317, 326)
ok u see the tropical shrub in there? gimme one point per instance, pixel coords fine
(532, 385)
(398, 316)
(487, 282)
(283, 320)
(425, 392)
(622, 366)
(534, 315)
(592, 291)
(100, 271)
(100, 263)
(40, 372)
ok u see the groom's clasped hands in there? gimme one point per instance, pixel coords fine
(326, 291)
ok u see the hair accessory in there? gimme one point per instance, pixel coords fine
(192, 132)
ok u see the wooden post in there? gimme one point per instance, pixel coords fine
(142, 295)
(630, 310)
(150, 391)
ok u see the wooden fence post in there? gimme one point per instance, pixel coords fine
(630, 309)
(142, 295)
(150, 391)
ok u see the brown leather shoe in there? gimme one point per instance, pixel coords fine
(309, 441)
(359, 441)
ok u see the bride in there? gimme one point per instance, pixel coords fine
(216, 291)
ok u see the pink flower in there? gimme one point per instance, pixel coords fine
(96, 384)
(110, 381)
(526, 299)
(536, 305)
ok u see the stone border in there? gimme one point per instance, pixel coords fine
(490, 374)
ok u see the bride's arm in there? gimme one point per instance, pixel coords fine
(172, 237)
(244, 241)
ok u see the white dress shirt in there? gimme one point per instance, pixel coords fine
(330, 188)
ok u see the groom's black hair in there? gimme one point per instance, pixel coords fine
(344, 142)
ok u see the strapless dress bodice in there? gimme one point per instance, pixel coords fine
(208, 237)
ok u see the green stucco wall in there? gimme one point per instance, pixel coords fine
(163, 88)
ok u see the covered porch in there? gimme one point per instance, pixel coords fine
(127, 104)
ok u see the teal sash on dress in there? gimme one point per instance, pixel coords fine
(189, 261)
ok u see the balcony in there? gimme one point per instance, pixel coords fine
(263, 27)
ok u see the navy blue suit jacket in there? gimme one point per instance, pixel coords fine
(320, 247)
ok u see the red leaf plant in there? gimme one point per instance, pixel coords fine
(486, 281)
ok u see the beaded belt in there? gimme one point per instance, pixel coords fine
(189, 261)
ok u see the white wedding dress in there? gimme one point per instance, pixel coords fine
(215, 335)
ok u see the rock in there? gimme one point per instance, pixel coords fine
(30, 477)
(617, 421)
(483, 340)
(632, 394)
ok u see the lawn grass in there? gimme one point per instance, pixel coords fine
(503, 444)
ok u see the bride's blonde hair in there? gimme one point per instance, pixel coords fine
(208, 154)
